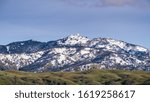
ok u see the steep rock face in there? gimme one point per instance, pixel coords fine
(74, 53)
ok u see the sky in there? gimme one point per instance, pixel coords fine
(46, 20)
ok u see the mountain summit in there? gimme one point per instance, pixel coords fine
(73, 53)
(75, 39)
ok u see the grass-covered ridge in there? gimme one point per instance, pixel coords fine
(90, 77)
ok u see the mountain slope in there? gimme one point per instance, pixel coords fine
(73, 53)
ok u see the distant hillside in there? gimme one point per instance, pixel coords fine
(73, 53)
(90, 77)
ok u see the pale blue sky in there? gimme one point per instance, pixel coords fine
(45, 20)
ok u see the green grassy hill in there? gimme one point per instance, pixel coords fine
(90, 77)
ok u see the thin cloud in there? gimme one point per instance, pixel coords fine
(106, 3)
(118, 2)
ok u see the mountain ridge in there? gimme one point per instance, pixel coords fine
(74, 53)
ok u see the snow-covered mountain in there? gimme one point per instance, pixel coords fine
(73, 53)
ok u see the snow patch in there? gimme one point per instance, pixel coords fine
(20, 60)
(22, 43)
(117, 59)
(139, 48)
(117, 43)
(8, 48)
(74, 39)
